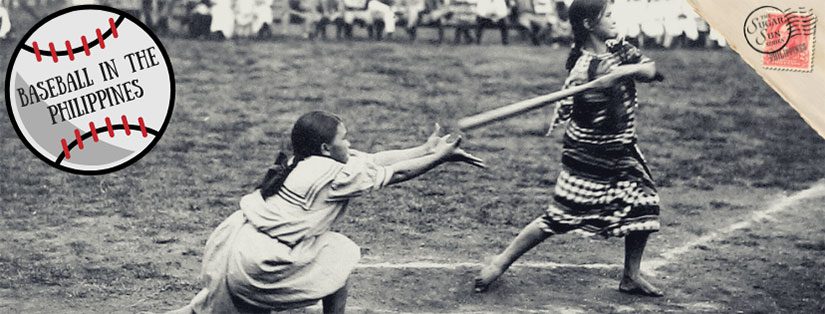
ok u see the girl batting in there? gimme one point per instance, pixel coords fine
(277, 252)
(604, 187)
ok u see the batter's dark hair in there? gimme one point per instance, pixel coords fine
(309, 132)
(579, 11)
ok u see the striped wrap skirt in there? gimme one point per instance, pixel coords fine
(605, 191)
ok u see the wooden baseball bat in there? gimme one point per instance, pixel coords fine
(501, 113)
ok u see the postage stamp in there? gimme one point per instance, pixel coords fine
(786, 38)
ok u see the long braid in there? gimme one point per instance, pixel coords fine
(575, 54)
(276, 175)
(308, 134)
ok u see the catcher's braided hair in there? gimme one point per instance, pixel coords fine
(309, 132)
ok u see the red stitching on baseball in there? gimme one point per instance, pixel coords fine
(142, 126)
(109, 126)
(36, 51)
(78, 138)
(85, 45)
(113, 27)
(54, 52)
(125, 125)
(94, 131)
(65, 148)
(69, 49)
(100, 39)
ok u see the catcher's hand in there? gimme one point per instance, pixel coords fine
(459, 154)
(463, 156)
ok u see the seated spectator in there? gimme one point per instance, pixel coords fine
(199, 20)
(492, 13)
(253, 17)
(534, 17)
(332, 12)
(410, 12)
(306, 12)
(462, 16)
(377, 16)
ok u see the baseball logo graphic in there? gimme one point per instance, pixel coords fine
(90, 89)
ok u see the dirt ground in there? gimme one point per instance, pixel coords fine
(721, 144)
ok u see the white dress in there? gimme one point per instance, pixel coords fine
(5, 23)
(652, 23)
(263, 14)
(627, 14)
(223, 18)
(691, 20)
(279, 253)
(244, 17)
(717, 37)
(492, 9)
(679, 19)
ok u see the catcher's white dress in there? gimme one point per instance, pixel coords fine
(279, 253)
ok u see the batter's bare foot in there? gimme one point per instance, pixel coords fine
(639, 286)
(489, 273)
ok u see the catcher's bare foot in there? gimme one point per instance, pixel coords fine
(489, 273)
(639, 286)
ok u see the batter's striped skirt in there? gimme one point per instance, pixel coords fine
(606, 191)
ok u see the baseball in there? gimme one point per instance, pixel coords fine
(90, 89)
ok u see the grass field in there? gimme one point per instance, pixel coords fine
(721, 144)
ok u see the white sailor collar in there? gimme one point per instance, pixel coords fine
(308, 178)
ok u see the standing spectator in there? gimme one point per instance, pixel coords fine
(245, 15)
(679, 22)
(223, 19)
(627, 23)
(653, 22)
(262, 25)
(5, 22)
(717, 37)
